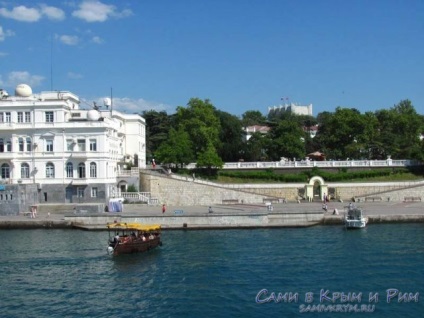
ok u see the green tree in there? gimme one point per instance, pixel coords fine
(231, 137)
(339, 133)
(157, 128)
(400, 128)
(209, 159)
(177, 149)
(257, 147)
(253, 117)
(287, 141)
(200, 121)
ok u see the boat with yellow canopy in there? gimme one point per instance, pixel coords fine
(127, 238)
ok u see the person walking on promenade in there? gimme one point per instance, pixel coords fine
(163, 208)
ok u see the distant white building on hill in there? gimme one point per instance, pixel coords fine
(53, 151)
(250, 130)
(292, 108)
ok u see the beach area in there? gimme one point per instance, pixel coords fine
(377, 212)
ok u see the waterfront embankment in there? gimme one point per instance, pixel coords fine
(222, 216)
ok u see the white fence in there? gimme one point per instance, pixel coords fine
(319, 164)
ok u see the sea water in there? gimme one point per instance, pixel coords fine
(322, 271)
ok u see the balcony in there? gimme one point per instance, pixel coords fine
(79, 182)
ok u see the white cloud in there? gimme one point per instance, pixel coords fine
(69, 39)
(130, 106)
(3, 54)
(19, 77)
(3, 34)
(73, 75)
(24, 14)
(96, 11)
(21, 13)
(53, 13)
(97, 40)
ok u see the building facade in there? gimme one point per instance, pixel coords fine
(66, 153)
(292, 108)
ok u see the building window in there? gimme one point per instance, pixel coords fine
(1, 145)
(5, 117)
(80, 192)
(93, 145)
(28, 144)
(49, 145)
(27, 117)
(81, 144)
(49, 117)
(24, 117)
(69, 170)
(24, 171)
(94, 192)
(69, 145)
(81, 170)
(5, 171)
(20, 117)
(93, 170)
(21, 144)
(49, 170)
(9, 146)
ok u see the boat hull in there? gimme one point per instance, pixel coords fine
(356, 224)
(135, 246)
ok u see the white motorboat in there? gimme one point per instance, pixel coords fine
(354, 218)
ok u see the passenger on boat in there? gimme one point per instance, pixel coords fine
(116, 240)
(336, 212)
(151, 237)
(144, 237)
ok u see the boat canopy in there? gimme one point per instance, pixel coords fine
(134, 226)
(355, 213)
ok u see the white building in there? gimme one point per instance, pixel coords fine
(250, 130)
(68, 154)
(293, 108)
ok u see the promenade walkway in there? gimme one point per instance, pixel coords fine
(378, 212)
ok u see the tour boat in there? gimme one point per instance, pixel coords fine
(354, 218)
(127, 238)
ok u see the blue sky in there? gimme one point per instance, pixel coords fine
(241, 54)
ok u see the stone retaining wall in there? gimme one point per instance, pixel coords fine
(187, 193)
(251, 220)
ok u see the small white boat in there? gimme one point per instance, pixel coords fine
(354, 218)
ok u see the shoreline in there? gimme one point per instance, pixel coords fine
(239, 216)
(46, 224)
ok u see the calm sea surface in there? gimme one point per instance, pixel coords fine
(227, 273)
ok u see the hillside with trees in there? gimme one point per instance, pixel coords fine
(199, 132)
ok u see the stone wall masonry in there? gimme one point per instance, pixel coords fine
(187, 192)
(387, 191)
(251, 220)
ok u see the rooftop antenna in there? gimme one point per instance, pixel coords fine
(51, 62)
(111, 102)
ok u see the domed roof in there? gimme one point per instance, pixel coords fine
(23, 90)
(93, 115)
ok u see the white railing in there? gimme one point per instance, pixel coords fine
(134, 172)
(319, 164)
(136, 196)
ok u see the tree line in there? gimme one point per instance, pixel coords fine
(201, 133)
